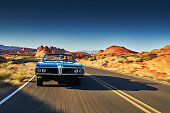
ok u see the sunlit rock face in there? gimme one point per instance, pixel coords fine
(162, 62)
(100, 51)
(116, 50)
(78, 54)
(164, 50)
(44, 50)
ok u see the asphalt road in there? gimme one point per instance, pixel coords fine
(101, 92)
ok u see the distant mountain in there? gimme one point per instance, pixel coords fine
(89, 51)
(13, 50)
(8, 47)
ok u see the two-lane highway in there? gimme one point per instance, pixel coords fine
(101, 92)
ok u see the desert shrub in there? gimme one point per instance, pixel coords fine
(103, 56)
(120, 61)
(152, 55)
(86, 57)
(3, 65)
(21, 76)
(167, 79)
(136, 56)
(92, 58)
(18, 77)
(113, 59)
(128, 55)
(149, 57)
(138, 60)
(4, 74)
(132, 55)
(12, 67)
(162, 54)
(112, 55)
(19, 61)
(121, 56)
(144, 52)
(105, 63)
(128, 61)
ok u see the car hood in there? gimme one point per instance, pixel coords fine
(53, 64)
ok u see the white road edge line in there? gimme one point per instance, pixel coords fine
(12, 94)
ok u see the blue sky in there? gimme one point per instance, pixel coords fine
(140, 25)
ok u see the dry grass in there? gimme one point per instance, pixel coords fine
(128, 63)
(16, 73)
(4, 74)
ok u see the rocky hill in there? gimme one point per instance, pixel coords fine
(44, 50)
(154, 64)
(164, 50)
(162, 62)
(100, 51)
(78, 54)
(115, 50)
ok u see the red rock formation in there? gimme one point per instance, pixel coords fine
(100, 51)
(164, 50)
(40, 48)
(57, 50)
(78, 54)
(161, 63)
(117, 50)
(44, 50)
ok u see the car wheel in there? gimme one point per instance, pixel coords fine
(78, 81)
(39, 82)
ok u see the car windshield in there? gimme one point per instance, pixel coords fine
(59, 58)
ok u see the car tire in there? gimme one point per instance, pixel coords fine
(78, 81)
(39, 82)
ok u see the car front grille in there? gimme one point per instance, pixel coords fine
(68, 71)
(71, 71)
(56, 71)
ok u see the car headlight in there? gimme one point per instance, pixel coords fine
(39, 70)
(80, 70)
(76, 71)
(43, 70)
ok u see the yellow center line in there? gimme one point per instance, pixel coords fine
(123, 94)
(131, 97)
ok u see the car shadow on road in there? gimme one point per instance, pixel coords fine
(119, 83)
(25, 102)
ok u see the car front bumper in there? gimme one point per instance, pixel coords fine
(51, 74)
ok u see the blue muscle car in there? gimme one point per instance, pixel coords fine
(62, 68)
